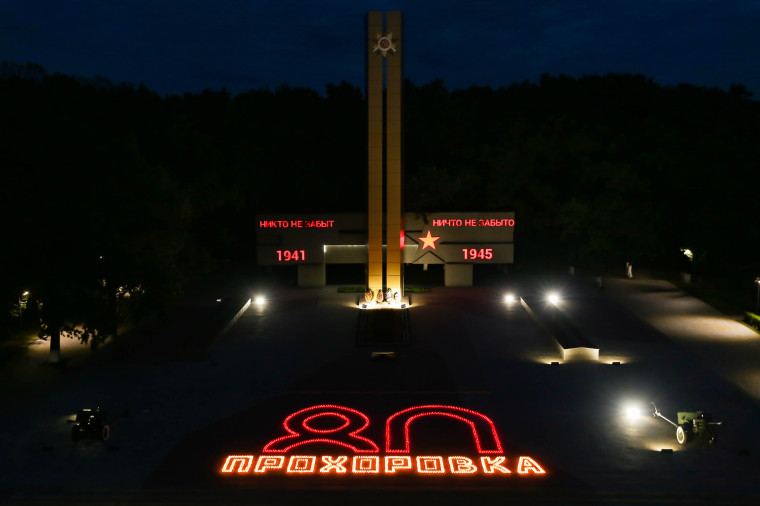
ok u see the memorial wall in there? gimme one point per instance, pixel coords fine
(456, 240)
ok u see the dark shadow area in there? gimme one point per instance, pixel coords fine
(410, 370)
(415, 274)
(489, 275)
(383, 326)
(345, 274)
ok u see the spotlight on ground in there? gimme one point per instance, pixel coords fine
(553, 298)
(631, 411)
(259, 301)
(509, 298)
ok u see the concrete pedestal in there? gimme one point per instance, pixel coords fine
(457, 274)
(310, 275)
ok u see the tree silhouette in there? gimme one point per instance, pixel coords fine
(116, 198)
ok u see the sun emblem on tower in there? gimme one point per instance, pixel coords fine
(384, 44)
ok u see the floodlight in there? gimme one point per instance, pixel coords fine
(553, 298)
(631, 411)
(259, 300)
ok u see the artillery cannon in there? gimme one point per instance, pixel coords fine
(692, 426)
(90, 423)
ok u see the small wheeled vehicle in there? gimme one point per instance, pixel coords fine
(90, 424)
(692, 426)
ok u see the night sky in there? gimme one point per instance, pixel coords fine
(190, 45)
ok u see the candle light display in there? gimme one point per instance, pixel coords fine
(344, 428)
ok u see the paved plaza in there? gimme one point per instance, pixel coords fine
(178, 417)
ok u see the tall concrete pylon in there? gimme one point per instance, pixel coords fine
(385, 269)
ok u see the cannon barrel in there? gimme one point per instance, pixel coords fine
(656, 413)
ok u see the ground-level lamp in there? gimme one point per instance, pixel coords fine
(21, 308)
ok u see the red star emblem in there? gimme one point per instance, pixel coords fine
(428, 241)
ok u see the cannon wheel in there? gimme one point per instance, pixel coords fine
(105, 432)
(682, 435)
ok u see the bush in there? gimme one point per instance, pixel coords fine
(752, 320)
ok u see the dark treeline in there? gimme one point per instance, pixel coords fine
(115, 197)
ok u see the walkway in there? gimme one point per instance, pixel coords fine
(720, 342)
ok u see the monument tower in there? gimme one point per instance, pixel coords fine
(455, 240)
(384, 222)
